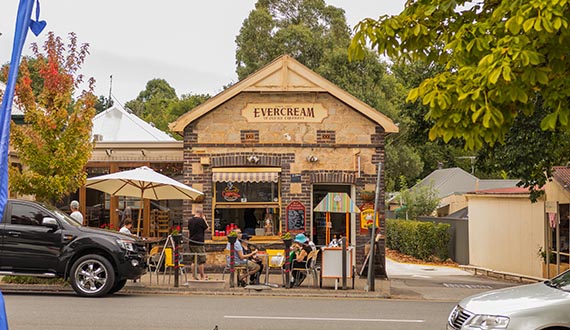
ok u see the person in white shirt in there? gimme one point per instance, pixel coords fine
(127, 225)
(75, 214)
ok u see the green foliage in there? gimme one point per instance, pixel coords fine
(159, 105)
(103, 103)
(497, 57)
(418, 201)
(32, 280)
(422, 240)
(307, 30)
(54, 144)
(542, 150)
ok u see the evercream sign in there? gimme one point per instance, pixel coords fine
(289, 113)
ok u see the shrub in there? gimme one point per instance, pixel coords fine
(422, 240)
(31, 280)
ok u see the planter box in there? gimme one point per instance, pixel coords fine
(553, 269)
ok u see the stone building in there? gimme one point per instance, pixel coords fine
(267, 150)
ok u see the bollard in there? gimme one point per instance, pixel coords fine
(177, 239)
(344, 261)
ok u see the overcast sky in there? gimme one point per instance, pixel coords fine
(190, 44)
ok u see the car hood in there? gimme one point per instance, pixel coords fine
(515, 299)
(106, 232)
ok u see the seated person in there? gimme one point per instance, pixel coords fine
(301, 250)
(244, 240)
(127, 225)
(241, 258)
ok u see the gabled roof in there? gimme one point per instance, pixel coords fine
(284, 74)
(562, 175)
(117, 124)
(449, 181)
(16, 110)
(455, 180)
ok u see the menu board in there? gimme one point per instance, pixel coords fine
(296, 217)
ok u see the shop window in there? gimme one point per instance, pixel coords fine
(561, 237)
(251, 206)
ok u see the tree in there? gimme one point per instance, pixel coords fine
(501, 59)
(103, 103)
(304, 29)
(186, 103)
(418, 201)
(317, 35)
(151, 103)
(54, 144)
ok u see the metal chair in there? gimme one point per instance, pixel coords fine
(310, 269)
(275, 260)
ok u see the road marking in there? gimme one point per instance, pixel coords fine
(467, 286)
(318, 319)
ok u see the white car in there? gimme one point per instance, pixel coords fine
(544, 306)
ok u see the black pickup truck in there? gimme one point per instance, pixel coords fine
(39, 240)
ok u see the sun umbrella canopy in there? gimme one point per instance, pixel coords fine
(142, 182)
(337, 203)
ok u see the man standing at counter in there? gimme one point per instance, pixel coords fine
(197, 226)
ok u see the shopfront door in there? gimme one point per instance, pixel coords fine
(337, 220)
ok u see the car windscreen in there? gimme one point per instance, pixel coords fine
(561, 281)
(62, 216)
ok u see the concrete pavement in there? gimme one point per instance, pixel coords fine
(405, 281)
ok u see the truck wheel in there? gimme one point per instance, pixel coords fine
(118, 286)
(92, 276)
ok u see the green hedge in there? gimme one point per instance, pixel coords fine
(31, 280)
(422, 240)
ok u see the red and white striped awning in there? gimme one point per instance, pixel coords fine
(243, 176)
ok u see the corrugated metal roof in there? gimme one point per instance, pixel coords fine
(116, 124)
(449, 181)
(502, 191)
(562, 175)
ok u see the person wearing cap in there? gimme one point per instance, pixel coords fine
(252, 256)
(301, 250)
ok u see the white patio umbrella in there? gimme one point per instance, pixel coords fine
(142, 182)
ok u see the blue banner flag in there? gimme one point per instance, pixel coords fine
(23, 23)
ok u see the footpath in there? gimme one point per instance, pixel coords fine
(405, 281)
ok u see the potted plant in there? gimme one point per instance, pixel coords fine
(367, 195)
(232, 237)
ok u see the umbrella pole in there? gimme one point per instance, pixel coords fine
(347, 221)
(328, 230)
(140, 213)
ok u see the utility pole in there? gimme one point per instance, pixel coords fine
(110, 91)
(371, 275)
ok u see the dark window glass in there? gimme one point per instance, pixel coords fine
(240, 192)
(27, 215)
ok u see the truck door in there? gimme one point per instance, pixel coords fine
(28, 245)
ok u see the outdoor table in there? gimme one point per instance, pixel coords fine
(265, 256)
(195, 263)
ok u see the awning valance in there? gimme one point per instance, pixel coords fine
(246, 175)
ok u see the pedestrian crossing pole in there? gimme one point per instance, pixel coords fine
(371, 275)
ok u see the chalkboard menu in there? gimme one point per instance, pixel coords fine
(296, 217)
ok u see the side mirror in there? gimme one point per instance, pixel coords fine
(50, 222)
